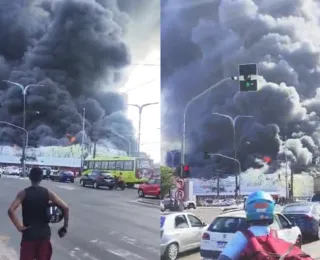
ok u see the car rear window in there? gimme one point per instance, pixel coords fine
(228, 225)
(296, 209)
(162, 220)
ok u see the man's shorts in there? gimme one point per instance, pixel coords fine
(39, 250)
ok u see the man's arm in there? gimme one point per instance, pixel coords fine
(59, 202)
(12, 211)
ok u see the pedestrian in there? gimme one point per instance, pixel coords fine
(35, 229)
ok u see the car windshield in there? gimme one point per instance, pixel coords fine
(228, 225)
(106, 174)
(297, 209)
(316, 198)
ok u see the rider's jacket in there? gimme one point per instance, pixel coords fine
(34, 214)
(238, 243)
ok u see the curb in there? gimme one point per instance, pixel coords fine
(149, 202)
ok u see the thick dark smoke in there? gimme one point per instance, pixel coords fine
(204, 41)
(79, 50)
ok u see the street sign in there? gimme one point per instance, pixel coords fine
(179, 184)
(179, 195)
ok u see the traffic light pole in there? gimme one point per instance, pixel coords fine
(183, 143)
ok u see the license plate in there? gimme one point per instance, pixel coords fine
(221, 245)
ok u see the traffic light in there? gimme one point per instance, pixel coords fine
(248, 83)
(186, 171)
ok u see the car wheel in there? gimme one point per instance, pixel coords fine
(95, 185)
(172, 252)
(111, 187)
(299, 241)
(140, 193)
(82, 183)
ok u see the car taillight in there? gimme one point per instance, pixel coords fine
(307, 217)
(205, 236)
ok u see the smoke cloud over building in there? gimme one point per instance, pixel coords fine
(80, 51)
(205, 41)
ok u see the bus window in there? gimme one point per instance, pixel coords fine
(119, 165)
(128, 165)
(112, 165)
(91, 164)
(98, 165)
(104, 165)
(85, 165)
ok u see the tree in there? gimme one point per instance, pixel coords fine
(167, 180)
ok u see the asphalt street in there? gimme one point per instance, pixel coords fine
(103, 224)
(208, 214)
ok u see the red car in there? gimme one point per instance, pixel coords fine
(150, 188)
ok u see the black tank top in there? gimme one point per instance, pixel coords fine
(34, 214)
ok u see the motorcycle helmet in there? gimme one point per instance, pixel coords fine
(54, 213)
(260, 206)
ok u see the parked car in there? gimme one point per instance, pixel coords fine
(189, 204)
(98, 179)
(222, 229)
(150, 188)
(306, 215)
(169, 204)
(63, 176)
(180, 232)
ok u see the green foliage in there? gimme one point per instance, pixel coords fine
(167, 180)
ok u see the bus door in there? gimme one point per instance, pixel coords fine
(119, 168)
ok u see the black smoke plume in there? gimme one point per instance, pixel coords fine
(79, 51)
(204, 41)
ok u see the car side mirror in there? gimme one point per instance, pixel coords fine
(204, 224)
(293, 224)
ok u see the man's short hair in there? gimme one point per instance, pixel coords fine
(36, 174)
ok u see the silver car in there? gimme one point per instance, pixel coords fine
(180, 232)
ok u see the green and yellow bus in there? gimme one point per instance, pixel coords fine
(134, 170)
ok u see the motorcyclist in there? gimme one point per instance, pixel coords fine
(258, 221)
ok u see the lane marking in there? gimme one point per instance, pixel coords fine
(66, 187)
(126, 255)
(7, 253)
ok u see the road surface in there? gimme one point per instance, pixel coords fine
(208, 214)
(103, 224)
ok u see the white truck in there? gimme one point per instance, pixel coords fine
(316, 189)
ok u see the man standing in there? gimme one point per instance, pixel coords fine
(35, 229)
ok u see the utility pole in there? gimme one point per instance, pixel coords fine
(24, 90)
(83, 137)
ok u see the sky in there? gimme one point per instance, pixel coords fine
(143, 86)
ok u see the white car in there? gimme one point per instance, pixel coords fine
(180, 232)
(222, 229)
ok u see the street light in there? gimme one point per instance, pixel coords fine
(24, 90)
(83, 137)
(26, 140)
(183, 143)
(172, 154)
(140, 108)
(239, 166)
(233, 122)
